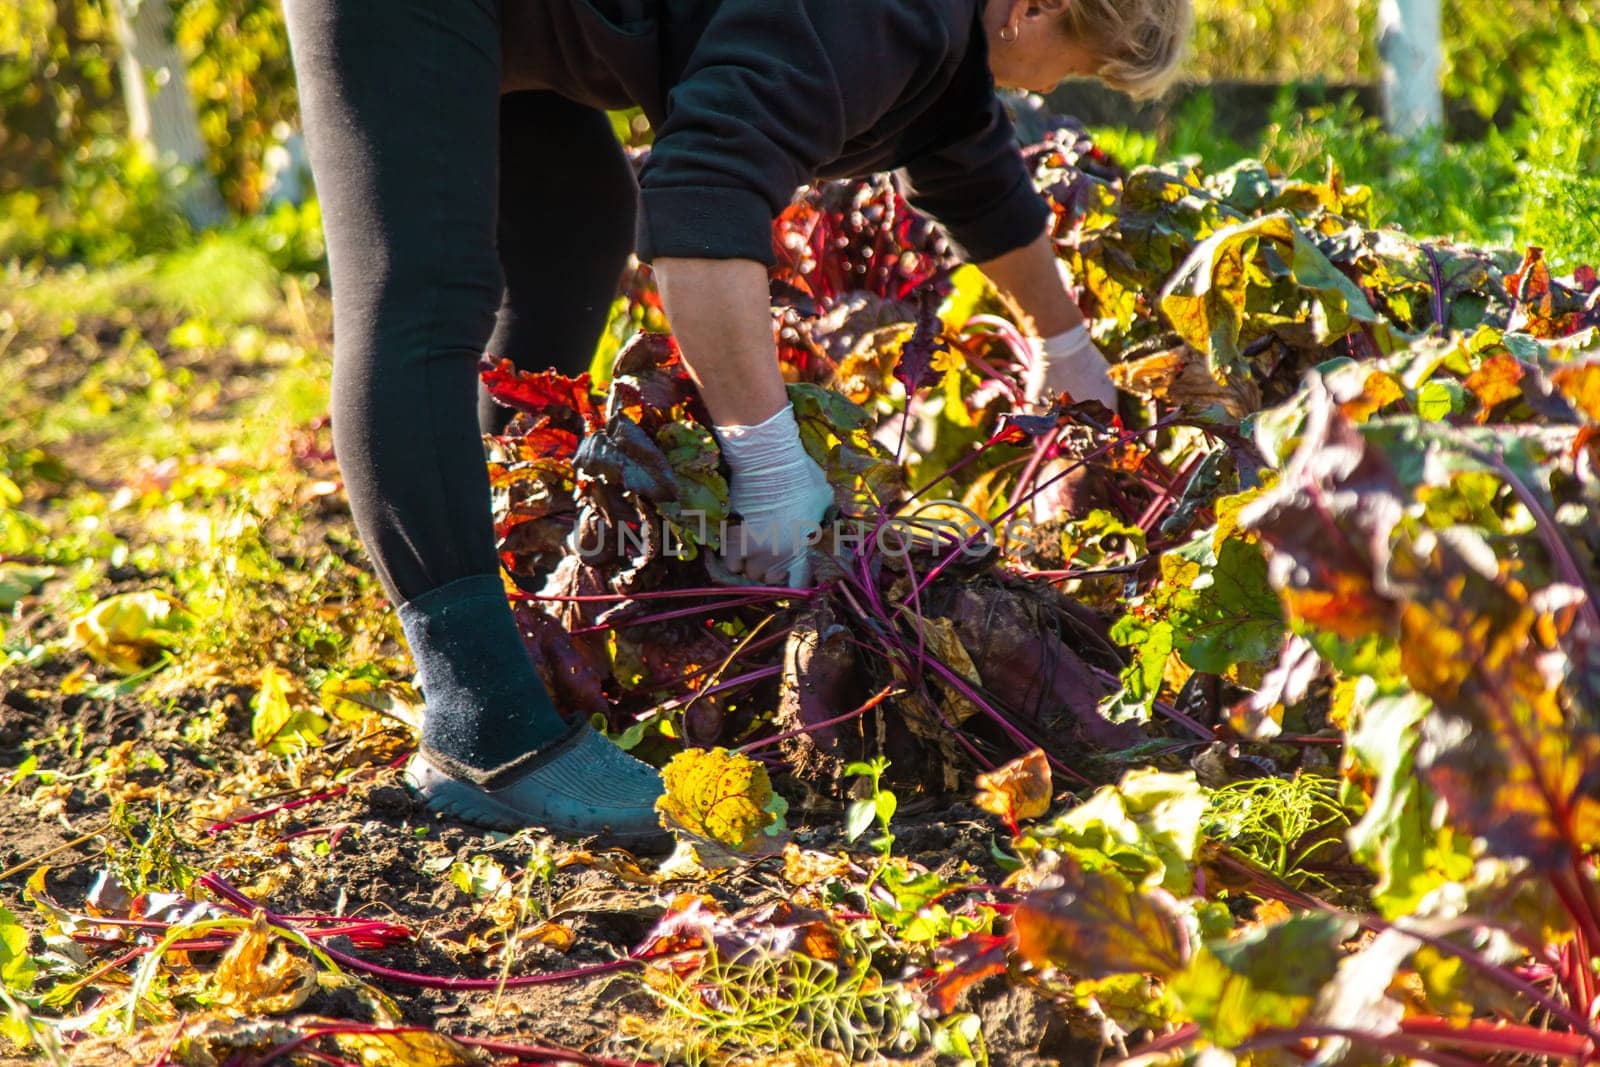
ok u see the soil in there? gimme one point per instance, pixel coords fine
(388, 860)
(373, 852)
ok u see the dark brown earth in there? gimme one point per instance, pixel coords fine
(388, 860)
(125, 772)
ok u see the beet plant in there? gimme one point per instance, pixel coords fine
(1343, 559)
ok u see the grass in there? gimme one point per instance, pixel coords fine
(151, 419)
(144, 339)
(1429, 186)
(222, 277)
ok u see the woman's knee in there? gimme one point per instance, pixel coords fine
(417, 316)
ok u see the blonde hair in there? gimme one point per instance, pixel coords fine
(1141, 42)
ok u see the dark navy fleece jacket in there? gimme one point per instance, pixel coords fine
(750, 99)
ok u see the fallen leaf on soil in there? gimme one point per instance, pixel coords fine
(615, 863)
(126, 631)
(249, 981)
(414, 1048)
(804, 866)
(552, 934)
(1017, 790)
(354, 699)
(717, 794)
(282, 721)
(207, 1040)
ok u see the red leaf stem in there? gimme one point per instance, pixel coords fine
(219, 886)
(267, 813)
(773, 592)
(664, 616)
(766, 742)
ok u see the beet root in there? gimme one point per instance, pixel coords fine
(1029, 670)
(822, 680)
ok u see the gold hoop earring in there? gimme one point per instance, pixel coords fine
(1008, 33)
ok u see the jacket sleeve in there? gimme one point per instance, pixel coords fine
(978, 187)
(757, 109)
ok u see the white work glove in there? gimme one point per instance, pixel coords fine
(1069, 362)
(780, 495)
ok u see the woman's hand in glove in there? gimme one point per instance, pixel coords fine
(780, 495)
(721, 317)
(1070, 362)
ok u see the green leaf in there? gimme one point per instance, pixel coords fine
(1151, 644)
(859, 817)
(699, 502)
(17, 968)
(478, 879)
(1267, 978)
(1231, 614)
(281, 723)
(884, 806)
(1147, 827)
(1506, 749)
(1438, 400)
(1255, 277)
(1395, 835)
(18, 580)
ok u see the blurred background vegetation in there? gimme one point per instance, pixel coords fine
(75, 188)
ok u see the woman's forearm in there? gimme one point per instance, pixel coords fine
(1065, 358)
(720, 314)
(1029, 276)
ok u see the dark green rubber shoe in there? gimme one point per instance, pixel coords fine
(579, 786)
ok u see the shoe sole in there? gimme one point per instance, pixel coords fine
(446, 796)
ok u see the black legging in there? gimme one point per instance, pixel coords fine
(458, 221)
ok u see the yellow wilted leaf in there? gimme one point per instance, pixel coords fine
(804, 866)
(944, 642)
(1499, 379)
(414, 1048)
(281, 722)
(949, 358)
(1581, 385)
(249, 981)
(556, 935)
(1378, 390)
(717, 794)
(866, 371)
(76, 680)
(1017, 790)
(353, 699)
(126, 631)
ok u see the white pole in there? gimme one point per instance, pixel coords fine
(1409, 46)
